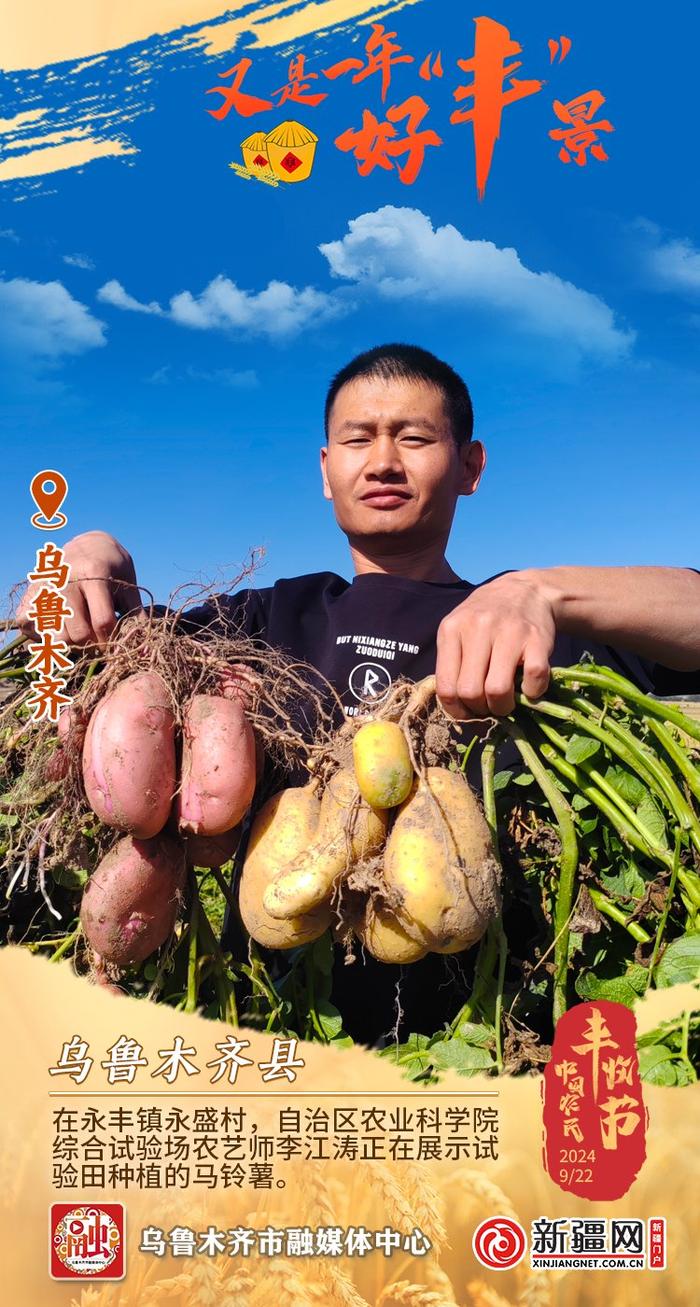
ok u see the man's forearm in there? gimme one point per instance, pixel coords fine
(654, 611)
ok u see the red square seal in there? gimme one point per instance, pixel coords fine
(87, 1241)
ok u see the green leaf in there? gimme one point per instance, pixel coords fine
(329, 1018)
(8, 818)
(501, 780)
(457, 1055)
(322, 953)
(619, 989)
(477, 1035)
(587, 826)
(656, 1065)
(629, 787)
(580, 801)
(70, 877)
(525, 778)
(581, 747)
(625, 880)
(652, 817)
(679, 963)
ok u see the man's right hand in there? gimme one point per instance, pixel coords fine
(102, 585)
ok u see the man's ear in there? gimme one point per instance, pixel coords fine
(473, 461)
(324, 475)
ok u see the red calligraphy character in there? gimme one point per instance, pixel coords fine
(297, 86)
(234, 97)
(383, 54)
(492, 46)
(48, 655)
(46, 698)
(376, 144)
(49, 610)
(50, 566)
(428, 70)
(581, 133)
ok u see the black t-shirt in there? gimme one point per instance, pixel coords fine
(362, 635)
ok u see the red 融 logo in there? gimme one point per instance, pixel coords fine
(499, 1243)
(86, 1241)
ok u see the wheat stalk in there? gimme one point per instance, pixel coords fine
(478, 1189)
(482, 1296)
(426, 1203)
(536, 1292)
(338, 1286)
(164, 1289)
(405, 1294)
(436, 1278)
(397, 1208)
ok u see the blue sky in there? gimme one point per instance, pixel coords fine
(569, 299)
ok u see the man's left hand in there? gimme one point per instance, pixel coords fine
(506, 624)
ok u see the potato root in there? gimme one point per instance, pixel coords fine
(218, 766)
(440, 864)
(131, 900)
(129, 756)
(383, 768)
(348, 831)
(285, 825)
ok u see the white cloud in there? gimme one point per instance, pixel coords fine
(277, 311)
(247, 379)
(42, 320)
(113, 293)
(398, 254)
(673, 264)
(9, 234)
(79, 261)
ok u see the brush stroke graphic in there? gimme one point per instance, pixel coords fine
(78, 74)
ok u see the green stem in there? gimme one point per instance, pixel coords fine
(225, 889)
(667, 907)
(677, 752)
(623, 743)
(652, 769)
(568, 862)
(604, 679)
(65, 946)
(625, 830)
(502, 956)
(608, 791)
(224, 986)
(192, 978)
(611, 910)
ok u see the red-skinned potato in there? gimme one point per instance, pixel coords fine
(131, 900)
(218, 766)
(129, 756)
(212, 850)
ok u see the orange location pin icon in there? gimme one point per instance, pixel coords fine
(48, 490)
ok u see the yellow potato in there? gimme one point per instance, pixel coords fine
(383, 937)
(285, 825)
(383, 766)
(440, 860)
(348, 830)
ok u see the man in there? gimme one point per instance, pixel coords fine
(398, 457)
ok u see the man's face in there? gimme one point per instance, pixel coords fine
(392, 467)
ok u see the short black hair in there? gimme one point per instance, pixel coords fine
(410, 362)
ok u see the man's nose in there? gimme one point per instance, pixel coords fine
(383, 457)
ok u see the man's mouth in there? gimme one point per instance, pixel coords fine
(386, 497)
